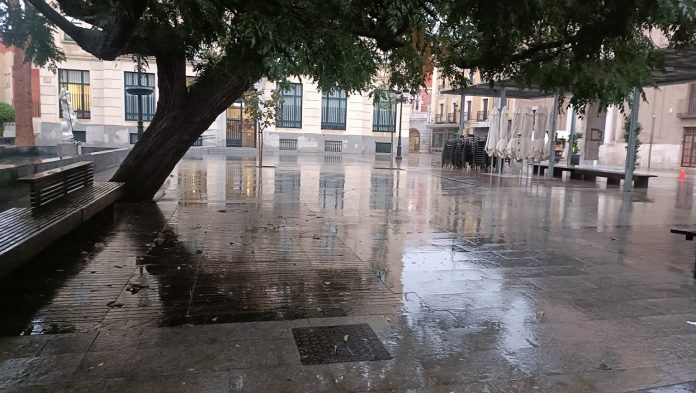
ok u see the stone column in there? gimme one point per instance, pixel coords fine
(21, 99)
(610, 125)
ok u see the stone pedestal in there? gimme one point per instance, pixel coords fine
(68, 149)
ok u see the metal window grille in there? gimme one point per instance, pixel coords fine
(333, 146)
(287, 144)
(332, 159)
(80, 136)
(334, 107)
(76, 82)
(149, 102)
(382, 195)
(291, 112)
(288, 158)
(198, 142)
(382, 147)
(331, 191)
(384, 116)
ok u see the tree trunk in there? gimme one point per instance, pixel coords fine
(182, 116)
(21, 99)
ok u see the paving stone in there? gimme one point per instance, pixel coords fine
(472, 283)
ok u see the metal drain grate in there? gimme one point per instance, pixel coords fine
(337, 344)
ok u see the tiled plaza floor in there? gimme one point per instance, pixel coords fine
(472, 283)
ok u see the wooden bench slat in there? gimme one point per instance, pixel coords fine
(29, 222)
(43, 175)
(26, 232)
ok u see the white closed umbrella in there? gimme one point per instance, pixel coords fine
(492, 140)
(539, 134)
(513, 147)
(503, 133)
(550, 154)
(527, 133)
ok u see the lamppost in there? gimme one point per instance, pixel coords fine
(140, 91)
(401, 99)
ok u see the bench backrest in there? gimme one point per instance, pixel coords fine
(51, 185)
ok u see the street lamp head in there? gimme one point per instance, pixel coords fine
(140, 90)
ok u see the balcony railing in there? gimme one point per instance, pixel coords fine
(449, 118)
(686, 109)
(481, 115)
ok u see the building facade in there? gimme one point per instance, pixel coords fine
(107, 115)
(667, 118)
(316, 121)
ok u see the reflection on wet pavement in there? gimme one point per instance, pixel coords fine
(472, 283)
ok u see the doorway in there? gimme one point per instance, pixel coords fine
(688, 158)
(413, 140)
(241, 130)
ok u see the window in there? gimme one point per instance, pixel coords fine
(333, 110)
(76, 82)
(384, 116)
(75, 22)
(149, 102)
(485, 108)
(291, 116)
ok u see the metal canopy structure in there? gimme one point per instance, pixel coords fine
(512, 90)
(679, 67)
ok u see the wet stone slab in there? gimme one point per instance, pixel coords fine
(470, 283)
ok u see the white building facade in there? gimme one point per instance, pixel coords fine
(312, 120)
(316, 121)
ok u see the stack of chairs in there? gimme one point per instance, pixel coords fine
(481, 159)
(466, 152)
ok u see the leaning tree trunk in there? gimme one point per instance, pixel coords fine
(182, 115)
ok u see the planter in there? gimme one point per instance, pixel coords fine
(575, 159)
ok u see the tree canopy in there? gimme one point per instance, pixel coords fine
(596, 50)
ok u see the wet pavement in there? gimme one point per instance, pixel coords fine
(470, 282)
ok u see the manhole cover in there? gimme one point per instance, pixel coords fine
(337, 344)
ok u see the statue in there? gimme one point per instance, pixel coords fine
(69, 122)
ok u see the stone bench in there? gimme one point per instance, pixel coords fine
(62, 199)
(614, 177)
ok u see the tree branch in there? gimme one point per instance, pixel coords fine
(525, 54)
(107, 43)
(62, 22)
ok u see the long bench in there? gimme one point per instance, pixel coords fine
(62, 199)
(614, 177)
